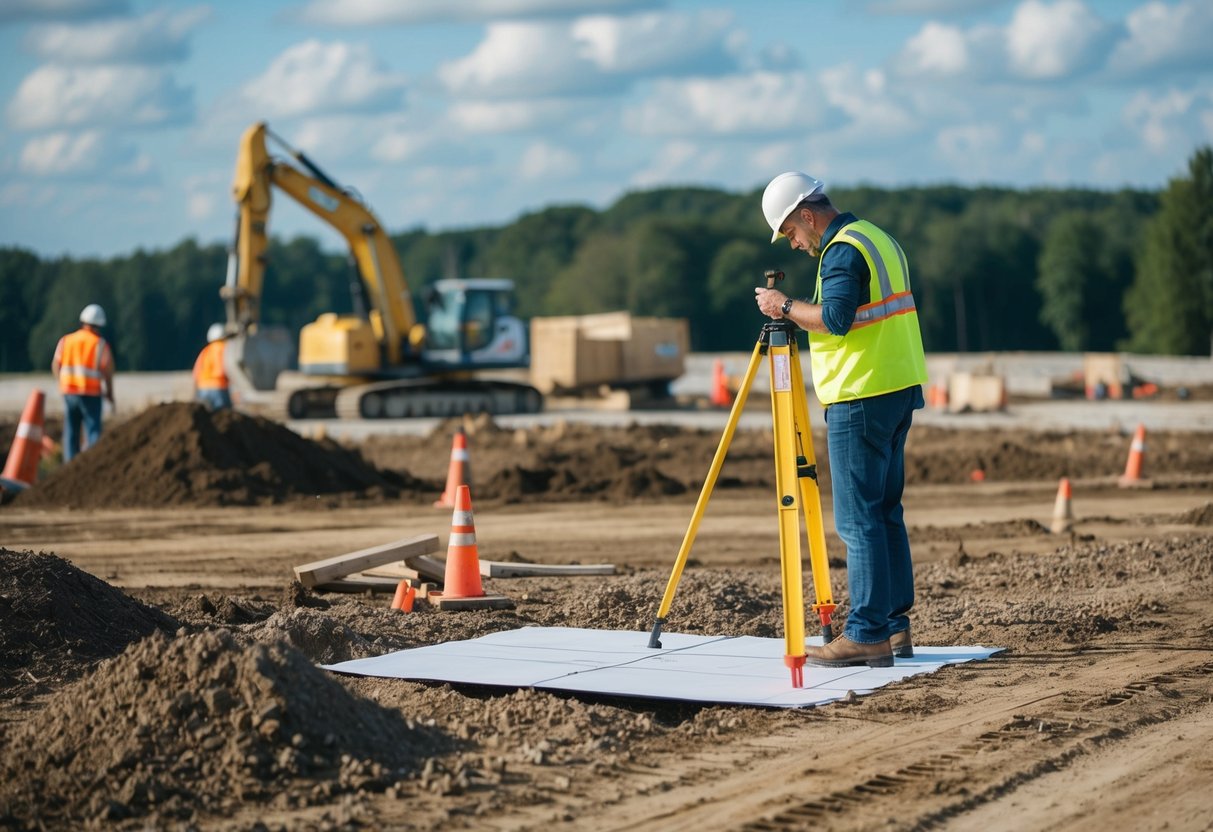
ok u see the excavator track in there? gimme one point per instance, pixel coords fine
(407, 399)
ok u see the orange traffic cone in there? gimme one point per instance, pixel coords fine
(406, 593)
(461, 588)
(462, 579)
(22, 464)
(1137, 452)
(1063, 514)
(458, 472)
(721, 395)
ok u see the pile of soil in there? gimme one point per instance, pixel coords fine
(200, 723)
(566, 462)
(183, 454)
(56, 621)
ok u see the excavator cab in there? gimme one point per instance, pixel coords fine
(471, 325)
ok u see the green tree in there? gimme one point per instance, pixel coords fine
(1170, 305)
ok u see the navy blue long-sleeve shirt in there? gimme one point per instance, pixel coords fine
(844, 279)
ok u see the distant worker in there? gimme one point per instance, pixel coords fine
(868, 370)
(210, 379)
(84, 365)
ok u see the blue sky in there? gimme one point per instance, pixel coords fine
(121, 119)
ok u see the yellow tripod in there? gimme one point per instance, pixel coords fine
(795, 473)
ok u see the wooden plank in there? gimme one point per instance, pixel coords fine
(503, 569)
(394, 570)
(359, 583)
(330, 569)
(480, 602)
(427, 567)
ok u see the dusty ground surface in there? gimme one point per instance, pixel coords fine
(157, 662)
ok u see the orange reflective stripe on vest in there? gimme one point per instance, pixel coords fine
(84, 359)
(208, 369)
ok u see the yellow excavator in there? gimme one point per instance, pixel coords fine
(379, 362)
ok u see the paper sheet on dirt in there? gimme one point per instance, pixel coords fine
(720, 669)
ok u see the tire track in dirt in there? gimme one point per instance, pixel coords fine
(1009, 734)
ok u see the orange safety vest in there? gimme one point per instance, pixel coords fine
(208, 369)
(84, 359)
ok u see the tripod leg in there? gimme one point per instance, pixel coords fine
(705, 494)
(783, 410)
(810, 500)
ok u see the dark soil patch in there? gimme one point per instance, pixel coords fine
(182, 454)
(175, 727)
(56, 621)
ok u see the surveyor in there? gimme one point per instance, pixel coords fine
(84, 365)
(210, 379)
(868, 369)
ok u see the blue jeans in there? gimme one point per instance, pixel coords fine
(867, 440)
(214, 398)
(77, 409)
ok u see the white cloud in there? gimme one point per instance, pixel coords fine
(380, 12)
(314, 77)
(1052, 41)
(54, 96)
(656, 42)
(159, 35)
(1166, 122)
(58, 9)
(1162, 36)
(1043, 41)
(542, 160)
(590, 55)
(937, 49)
(760, 103)
(874, 111)
(86, 154)
(525, 59)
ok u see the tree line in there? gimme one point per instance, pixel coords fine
(991, 269)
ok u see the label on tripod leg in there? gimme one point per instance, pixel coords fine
(781, 373)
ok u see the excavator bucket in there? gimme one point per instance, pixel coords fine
(253, 361)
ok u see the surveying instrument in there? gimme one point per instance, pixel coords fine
(796, 489)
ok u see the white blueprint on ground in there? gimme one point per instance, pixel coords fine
(721, 669)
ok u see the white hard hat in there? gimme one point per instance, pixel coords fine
(784, 193)
(93, 315)
(214, 332)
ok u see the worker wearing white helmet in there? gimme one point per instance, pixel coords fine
(868, 370)
(210, 379)
(84, 365)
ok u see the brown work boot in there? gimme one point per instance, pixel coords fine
(842, 652)
(902, 644)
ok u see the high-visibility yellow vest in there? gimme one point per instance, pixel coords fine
(83, 358)
(882, 352)
(208, 368)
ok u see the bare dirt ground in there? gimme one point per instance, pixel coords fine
(157, 662)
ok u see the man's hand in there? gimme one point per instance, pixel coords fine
(770, 302)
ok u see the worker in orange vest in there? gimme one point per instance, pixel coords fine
(210, 379)
(84, 365)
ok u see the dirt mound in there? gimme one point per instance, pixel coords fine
(1199, 516)
(199, 724)
(182, 454)
(55, 620)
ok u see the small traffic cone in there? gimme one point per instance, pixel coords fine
(21, 466)
(1063, 515)
(461, 587)
(406, 593)
(458, 472)
(721, 395)
(1137, 451)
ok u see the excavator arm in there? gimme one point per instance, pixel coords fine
(257, 173)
